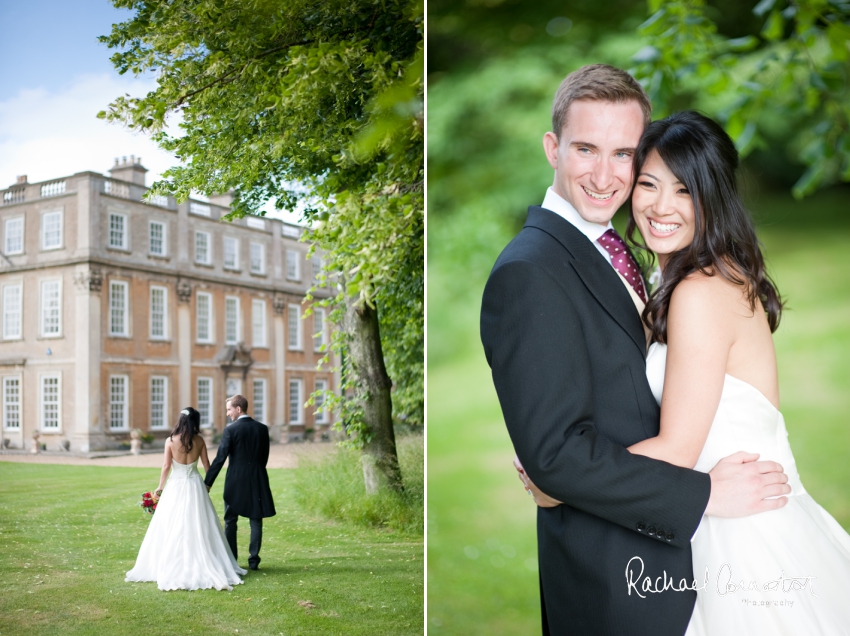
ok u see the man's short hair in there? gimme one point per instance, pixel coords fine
(239, 402)
(597, 82)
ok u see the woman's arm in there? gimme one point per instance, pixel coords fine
(166, 468)
(205, 460)
(701, 328)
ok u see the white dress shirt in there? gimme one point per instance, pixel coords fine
(563, 208)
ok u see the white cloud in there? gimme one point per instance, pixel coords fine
(47, 135)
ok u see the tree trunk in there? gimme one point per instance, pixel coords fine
(372, 388)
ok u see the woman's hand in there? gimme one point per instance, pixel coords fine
(540, 498)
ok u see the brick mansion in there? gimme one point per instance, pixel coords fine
(119, 312)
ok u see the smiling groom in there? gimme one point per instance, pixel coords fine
(561, 329)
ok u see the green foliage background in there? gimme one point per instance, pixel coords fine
(493, 69)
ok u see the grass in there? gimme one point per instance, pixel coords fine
(333, 487)
(482, 552)
(70, 533)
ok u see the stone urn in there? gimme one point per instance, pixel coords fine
(36, 447)
(136, 442)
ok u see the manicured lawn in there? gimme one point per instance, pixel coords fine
(482, 548)
(70, 533)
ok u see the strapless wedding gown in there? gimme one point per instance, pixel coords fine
(184, 547)
(783, 572)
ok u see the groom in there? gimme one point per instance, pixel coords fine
(246, 487)
(561, 328)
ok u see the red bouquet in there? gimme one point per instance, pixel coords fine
(148, 503)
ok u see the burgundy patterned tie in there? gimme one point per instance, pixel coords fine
(622, 261)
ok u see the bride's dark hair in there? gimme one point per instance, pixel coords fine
(703, 157)
(187, 427)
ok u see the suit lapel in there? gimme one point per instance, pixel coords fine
(598, 276)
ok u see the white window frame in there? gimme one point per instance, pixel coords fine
(293, 265)
(42, 403)
(260, 412)
(125, 231)
(209, 405)
(258, 324)
(237, 326)
(208, 238)
(7, 223)
(7, 380)
(43, 308)
(297, 403)
(321, 416)
(125, 404)
(44, 218)
(209, 318)
(164, 403)
(125, 327)
(295, 328)
(234, 242)
(261, 260)
(316, 265)
(318, 321)
(18, 315)
(164, 334)
(163, 240)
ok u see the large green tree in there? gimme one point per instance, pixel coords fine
(316, 106)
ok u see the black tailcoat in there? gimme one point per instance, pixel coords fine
(246, 487)
(568, 353)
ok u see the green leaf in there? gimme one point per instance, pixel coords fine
(653, 19)
(838, 34)
(741, 45)
(809, 182)
(763, 7)
(646, 54)
(745, 139)
(774, 27)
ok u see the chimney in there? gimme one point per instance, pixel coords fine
(22, 179)
(130, 170)
(224, 199)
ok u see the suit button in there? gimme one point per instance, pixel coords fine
(651, 531)
(641, 527)
(670, 537)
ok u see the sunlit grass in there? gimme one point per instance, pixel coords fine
(70, 533)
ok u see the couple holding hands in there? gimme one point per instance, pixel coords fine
(185, 547)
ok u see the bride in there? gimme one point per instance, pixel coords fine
(712, 368)
(184, 547)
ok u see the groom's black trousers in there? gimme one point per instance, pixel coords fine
(230, 520)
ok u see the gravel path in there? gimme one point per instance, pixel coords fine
(280, 456)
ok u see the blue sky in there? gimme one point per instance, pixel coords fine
(54, 78)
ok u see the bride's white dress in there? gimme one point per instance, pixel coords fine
(184, 547)
(781, 572)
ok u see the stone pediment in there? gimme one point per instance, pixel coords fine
(234, 357)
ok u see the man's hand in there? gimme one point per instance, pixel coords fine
(740, 485)
(208, 488)
(540, 498)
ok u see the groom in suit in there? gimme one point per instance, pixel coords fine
(561, 328)
(246, 487)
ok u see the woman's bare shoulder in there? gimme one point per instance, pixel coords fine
(709, 300)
